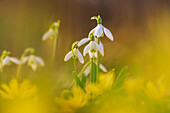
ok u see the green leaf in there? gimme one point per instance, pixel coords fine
(83, 80)
(120, 78)
(77, 80)
(80, 74)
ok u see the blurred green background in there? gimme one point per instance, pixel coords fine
(141, 30)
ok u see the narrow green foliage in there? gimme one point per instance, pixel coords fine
(83, 80)
(78, 82)
(80, 74)
(120, 78)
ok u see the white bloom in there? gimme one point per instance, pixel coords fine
(8, 59)
(92, 49)
(83, 41)
(99, 30)
(87, 71)
(76, 53)
(52, 32)
(49, 34)
(33, 61)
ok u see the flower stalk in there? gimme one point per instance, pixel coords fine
(75, 66)
(98, 62)
(32, 51)
(91, 72)
(56, 29)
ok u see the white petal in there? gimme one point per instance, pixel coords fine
(24, 60)
(14, 60)
(86, 49)
(103, 68)
(34, 66)
(91, 32)
(40, 61)
(93, 45)
(108, 34)
(95, 54)
(100, 48)
(91, 54)
(5, 61)
(68, 56)
(83, 41)
(87, 71)
(80, 57)
(46, 35)
(99, 30)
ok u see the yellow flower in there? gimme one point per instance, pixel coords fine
(17, 90)
(105, 83)
(134, 85)
(69, 101)
(155, 91)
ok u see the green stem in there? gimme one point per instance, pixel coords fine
(18, 72)
(54, 48)
(75, 70)
(75, 66)
(92, 70)
(98, 62)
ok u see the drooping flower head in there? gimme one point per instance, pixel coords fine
(52, 31)
(7, 60)
(75, 53)
(93, 47)
(33, 61)
(100, 30)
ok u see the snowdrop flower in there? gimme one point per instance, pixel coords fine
(93, 47)
(100, 30)
(52, 32)
(7, 60)
(75, 53)
(83, 41)
(87, 71)
(33, 61)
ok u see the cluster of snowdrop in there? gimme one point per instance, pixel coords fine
(94, 48)
(33, 61)
(28, 55)
(82, 93)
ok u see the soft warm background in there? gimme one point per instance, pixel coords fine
(141, 30)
